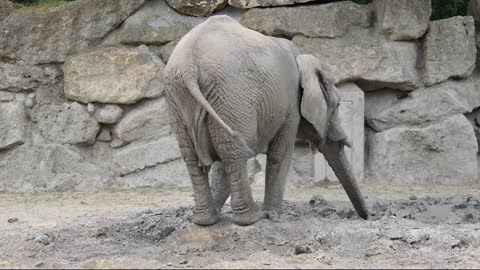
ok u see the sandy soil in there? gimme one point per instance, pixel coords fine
(411, 228)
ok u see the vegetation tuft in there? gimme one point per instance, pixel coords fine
(441, 9)
(26, 5)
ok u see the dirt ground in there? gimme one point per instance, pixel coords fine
(412, 227)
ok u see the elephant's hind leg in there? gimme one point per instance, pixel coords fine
(220, 185)
(245, 210)
(279, 155)
(205, 212)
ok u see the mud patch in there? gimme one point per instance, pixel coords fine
(413, 232)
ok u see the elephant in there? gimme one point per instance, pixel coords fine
(233, 93)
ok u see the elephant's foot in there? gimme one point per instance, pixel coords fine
(249, 217)
(206, 217)
(273, 215)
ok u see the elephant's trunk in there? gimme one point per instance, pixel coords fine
(337, 159)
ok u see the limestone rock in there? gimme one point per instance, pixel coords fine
(403, 19)
(264, 3)
(6, 96)
(147, 119)
(108, 114)
(257, 168)
(197, 8)
(50, 94)
(113, 75)
(49, 167)
(139, 156)
(105, 134)
(387, 109)
(67, 123)
(50, 35)
(30, 101)
(173, 173)
(449, 49)
(302, 167)
(6, 7)
(330, 20)
(21, 77)
(365, 56)
(91, 108)
(442, 153)
(13, 122)
(164, 51)
(154, 23)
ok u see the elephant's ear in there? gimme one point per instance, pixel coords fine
(320, 96)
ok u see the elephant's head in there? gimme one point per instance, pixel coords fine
(320, 124)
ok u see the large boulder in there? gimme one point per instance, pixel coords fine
(264, 3)
(66, 123)
(367, 57)
(136, 157)
(49, 167)
(114, 75)
(6, 7)
(147, 119)
(388, 108)
(403, 19)
(154, 23)
(21, 77)
(197, 8)
(449, 49)
(442, 153)
(13, 123)
(330, 20)
(50, 35)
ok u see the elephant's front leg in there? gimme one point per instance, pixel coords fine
(279, 156)
(245, 209)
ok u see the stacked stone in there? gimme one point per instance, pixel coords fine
(82, 106)
(418, 77)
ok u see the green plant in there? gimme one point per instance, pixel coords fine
(442, 9)
(39, 2)
(362, 2)
(27, 5)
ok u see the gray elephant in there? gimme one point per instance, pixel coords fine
(234, 93)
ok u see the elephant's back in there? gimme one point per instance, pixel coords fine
(247, 77)
(220, 41)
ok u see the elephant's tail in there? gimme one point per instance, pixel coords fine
(239, 141)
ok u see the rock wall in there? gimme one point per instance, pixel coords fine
(82, 106)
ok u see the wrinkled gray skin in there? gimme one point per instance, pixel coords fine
(234, 93)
